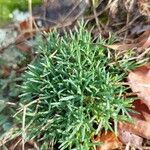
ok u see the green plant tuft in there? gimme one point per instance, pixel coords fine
(72, 91)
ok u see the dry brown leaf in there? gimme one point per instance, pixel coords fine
(130, 132)
(147, 43)
(139, 81)
(121, 46)
(142, 42)
(146, 116)
(142, 110)
(110, 141)
(139, 127)
(130, 138)
(143, 36)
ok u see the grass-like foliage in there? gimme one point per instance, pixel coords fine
(72, 91)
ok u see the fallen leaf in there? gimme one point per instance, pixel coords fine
(129, 138)
(132, 132)
(146, 116)
(143, 36)
(142, 111)
(142, 42)
(147, 43)
(141, 115)
(139, 81)
(110, 141)
(139, 127)
(122, 46)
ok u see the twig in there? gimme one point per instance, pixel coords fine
(128, 25)
(79, 2)
(128, 17)
(23, 128)
(90, 17)
(25, 106)
(30, 11)
(96, 18)
(143, 54)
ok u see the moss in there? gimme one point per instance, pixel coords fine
(72, 90)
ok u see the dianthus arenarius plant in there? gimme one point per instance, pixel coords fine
(72, 91)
